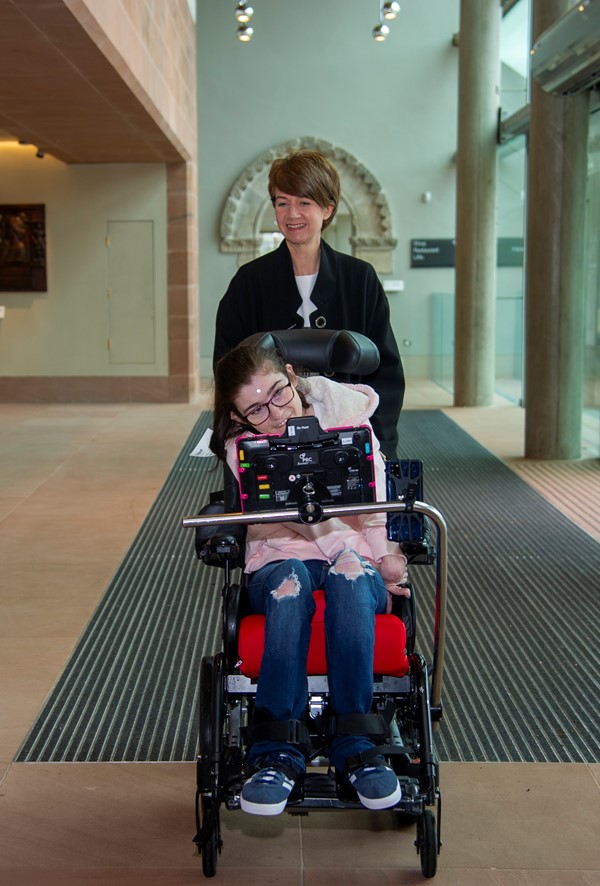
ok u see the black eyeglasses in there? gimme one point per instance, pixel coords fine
(281, 397)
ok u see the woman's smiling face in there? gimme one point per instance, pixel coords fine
(299, 219)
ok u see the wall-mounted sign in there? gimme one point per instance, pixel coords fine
(510, 252)
(22, 248)
(432, 253)
(441, 253)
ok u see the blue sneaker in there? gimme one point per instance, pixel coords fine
(376, 785)
(268, 790)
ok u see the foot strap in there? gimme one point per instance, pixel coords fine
(272, 763)
(375, 755)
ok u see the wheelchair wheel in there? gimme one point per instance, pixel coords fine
(406, 610)
(427, 843)
(211, 844)
(205, 708)
(211, 721)
(210, 707)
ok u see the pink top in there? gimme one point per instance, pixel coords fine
(335, 405)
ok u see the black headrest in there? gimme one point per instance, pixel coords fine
(322, 350)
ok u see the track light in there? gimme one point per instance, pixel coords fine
(40, 154)
(380, 32)
(390, 10)
(245, 33)
(243, 12)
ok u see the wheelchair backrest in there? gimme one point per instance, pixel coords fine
(322, 351)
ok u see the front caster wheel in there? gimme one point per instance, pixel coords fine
(211, 714)
(211, 843)
(427, 843)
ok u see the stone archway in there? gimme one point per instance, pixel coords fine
(372, 238)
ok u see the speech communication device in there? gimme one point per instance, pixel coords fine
(306, 468)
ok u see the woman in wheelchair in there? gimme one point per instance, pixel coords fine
(350, 559)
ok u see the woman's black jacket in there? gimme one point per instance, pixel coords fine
(263, 296)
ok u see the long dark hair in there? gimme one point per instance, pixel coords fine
(232, 372)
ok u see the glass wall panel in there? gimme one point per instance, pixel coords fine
(590, 439)
(512, 164)
(515, 43)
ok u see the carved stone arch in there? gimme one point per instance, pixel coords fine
(372, 238)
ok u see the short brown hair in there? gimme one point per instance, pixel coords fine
(305, 173)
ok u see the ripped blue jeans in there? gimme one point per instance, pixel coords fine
(354, 593)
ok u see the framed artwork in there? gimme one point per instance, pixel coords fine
(23, 248)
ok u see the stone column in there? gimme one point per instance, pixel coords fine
(554, 283)
(478, 97)
(182, 282)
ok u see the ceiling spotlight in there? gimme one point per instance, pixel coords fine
(244, 33)
(40, 154)
(390, 10)
(380, 32)
(243, 12)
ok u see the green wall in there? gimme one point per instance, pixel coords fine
(313, 69)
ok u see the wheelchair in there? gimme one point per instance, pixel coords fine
(406, 688)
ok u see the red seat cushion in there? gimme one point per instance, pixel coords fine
(390, 644)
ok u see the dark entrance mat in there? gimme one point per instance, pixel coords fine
(522, 675)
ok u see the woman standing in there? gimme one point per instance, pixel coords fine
(307, 283)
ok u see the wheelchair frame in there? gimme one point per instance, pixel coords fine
(411, 703)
